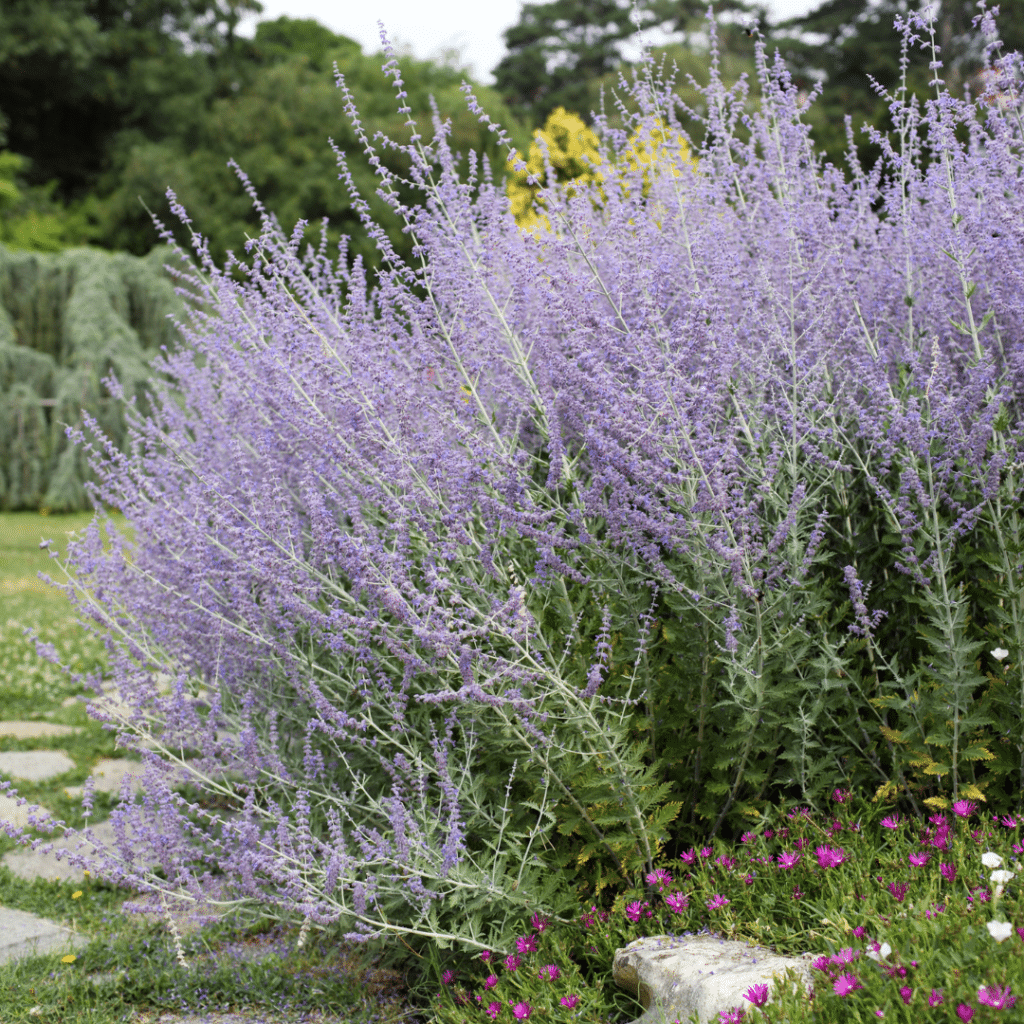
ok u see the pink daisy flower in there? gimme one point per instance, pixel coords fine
(845, 984)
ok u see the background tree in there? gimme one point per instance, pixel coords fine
(842, 42)
(560, 53)
(277, 129)
(75, 73)
(67, 321)
(105, 113)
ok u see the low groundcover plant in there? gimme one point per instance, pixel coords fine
(915, 921)
(486, 588)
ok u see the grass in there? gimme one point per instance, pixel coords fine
(908, 921)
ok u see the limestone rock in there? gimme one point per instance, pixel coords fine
(35, 765)
(32, 730)
(673, 976)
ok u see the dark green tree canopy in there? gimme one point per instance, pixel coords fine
(74, 73)
(559, 52)
(166, 98)
(278, 130)
(283, 38)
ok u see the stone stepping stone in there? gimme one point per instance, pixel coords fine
(33, 730)
(24, 934)
(28, 864)
(35, 765)
(10, 811)
(110, 772)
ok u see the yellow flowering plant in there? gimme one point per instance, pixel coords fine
(574, 154)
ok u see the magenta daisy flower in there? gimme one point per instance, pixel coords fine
(845, 984)
(788, 860)
(659, 877)
(829, 857)
(844, 956)
(757, 994)
(964, 808)
(996, 997)
(899, 890)
(677, 902)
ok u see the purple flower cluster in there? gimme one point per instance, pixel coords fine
(365, 541)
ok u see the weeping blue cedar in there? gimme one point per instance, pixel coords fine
(67, 320)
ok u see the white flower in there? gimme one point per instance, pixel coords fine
(1000, 878)
(882, 953)
(992, 860)
(999, 930)
(999, 653)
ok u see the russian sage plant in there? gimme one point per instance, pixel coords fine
(479, 586)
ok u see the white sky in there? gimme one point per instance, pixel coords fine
(429, 27)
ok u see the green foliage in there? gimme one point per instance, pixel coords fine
(68, 320)
(278, 130)
(279, 41)
(74, 73)
(111, 112)
(561, 53)
(30, 216)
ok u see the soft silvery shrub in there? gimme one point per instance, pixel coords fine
(472, 584)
